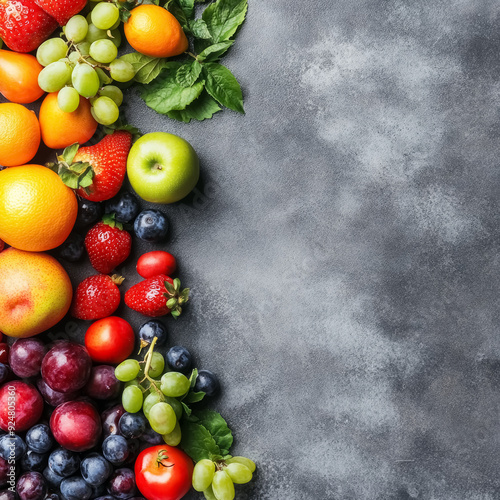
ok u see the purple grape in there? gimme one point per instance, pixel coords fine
(102, 383)
(54, 398)
(110, 419)
(7, 495)
(122, 484)
(25, 357)
(31, 486)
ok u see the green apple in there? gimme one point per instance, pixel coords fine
(162, 167)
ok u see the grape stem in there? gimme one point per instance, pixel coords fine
(147, 359)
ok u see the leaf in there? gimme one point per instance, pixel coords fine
(165, 94)
(146, 68)
(197, 441)
(70, 152)
(194, 397)
(200, 109)
(214, 51)
(192, 378)
(188, 7)
(224, 17)
(223, 86)
(188, 73)
(187, 410)
(178, 12)
(218, 428)
(198, 29)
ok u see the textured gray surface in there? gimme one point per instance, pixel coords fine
(343, 249)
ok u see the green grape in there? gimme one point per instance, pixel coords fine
(68, 99)
(94, 33)
(209, 494)
(88, 17)
(116, 38)
(157, 364)
(162, 418)
(149, 402)
(76, 29)
(105, 110)
(85, 80)
(203, 473)
(121, 71)
(51, 51)
(176, 405)
(113, 92)
(103, 76)
(116, 25)
(173, 438)
(105, 15)
(239, 473)
(127, 370)
(74, 57)
(223, 486)
(250, 464)
(54, 76)
(174, 384)
(103, 51)
(132, 399)
(83, 48)
(134, 382)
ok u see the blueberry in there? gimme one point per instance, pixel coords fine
(72, 249)
(106, 497)
(151, 437)
(52, 478)
(115, 449)
(52, 496)
(206, 382)
(132, 425)
(39, 438)
(12, 447)
(151, 329)
(5, 372)
(151, 225)
(75, 488)
(179, 358)
(34, 461)
(134, 446)
(89, 212)
(64, 462)
(95, 469)
(125, 207)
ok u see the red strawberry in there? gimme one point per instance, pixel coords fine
(157, 296)
(61, 10)
(96, 297)
(24, 25)
(108, 245)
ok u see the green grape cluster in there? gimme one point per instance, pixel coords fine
(84, 62)
(148, 387)
(217, 479)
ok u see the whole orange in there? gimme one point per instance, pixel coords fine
(35, 292)
(19, 134)
(61, 129)
(37, 211)
(155, 32)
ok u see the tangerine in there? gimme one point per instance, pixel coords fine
(155, 32)
(19, 134)
(61, 129)
(37, 210)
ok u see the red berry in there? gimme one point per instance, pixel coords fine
(96, 297)
(158, 262)
(61, 10)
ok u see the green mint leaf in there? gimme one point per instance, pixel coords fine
(188, 7)
(200, 109)
(188, 73)
(223, 86)
(224, 17)
(217, 427)
(213, 52)
(198, 29)
(197, 441)
(164, 94)
(146, 68)
(194, 397)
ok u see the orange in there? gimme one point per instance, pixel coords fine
(37, 210)
(19, 134)
(35, 292)
(19, 77)
(154, 32)
(61, 129)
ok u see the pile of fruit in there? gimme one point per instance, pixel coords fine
(121, 415)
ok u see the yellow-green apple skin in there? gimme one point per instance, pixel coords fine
(35, 292)
(162, 167)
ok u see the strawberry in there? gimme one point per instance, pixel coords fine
(96, 297)
(157, 296)
(61, 10)
(24, 25)
(107, 244)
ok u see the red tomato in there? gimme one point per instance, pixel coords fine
(163, 473)
(158, 262)
(110, 340)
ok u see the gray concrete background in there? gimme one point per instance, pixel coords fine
(344, 251)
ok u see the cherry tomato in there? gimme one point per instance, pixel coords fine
(158, 262)
(163, 473)
(110, 340)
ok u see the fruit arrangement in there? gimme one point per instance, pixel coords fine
(123, 414)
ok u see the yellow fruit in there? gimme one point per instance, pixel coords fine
(37, 211)
(35, 292)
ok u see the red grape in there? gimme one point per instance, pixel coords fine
(24, 401)
(25, 357)
(102, 383)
